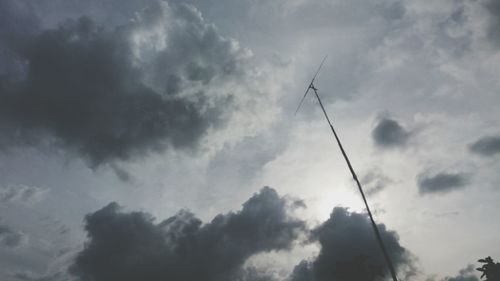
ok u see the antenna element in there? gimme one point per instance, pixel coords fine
(351, 169)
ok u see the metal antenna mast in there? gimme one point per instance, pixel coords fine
(354, 176)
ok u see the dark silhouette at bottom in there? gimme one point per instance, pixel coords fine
(490, 269)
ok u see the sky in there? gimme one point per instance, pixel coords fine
(156, 140)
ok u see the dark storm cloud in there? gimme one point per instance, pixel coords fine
(349, 251)
(441, 182)
(17, 19)
(17, 23)
(486, 146)
(115, 93)
(10, 238)
(130, 246)
(389, 133)
(466, 274)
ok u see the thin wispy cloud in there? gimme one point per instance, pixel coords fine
(22, 194)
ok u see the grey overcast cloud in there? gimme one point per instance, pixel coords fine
(145, 140)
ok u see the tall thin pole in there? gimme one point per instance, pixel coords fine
(355, 177)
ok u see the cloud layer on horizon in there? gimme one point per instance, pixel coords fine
(465, 274)
(130, 246)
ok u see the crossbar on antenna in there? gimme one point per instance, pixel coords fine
(310, 84)
(354, 176)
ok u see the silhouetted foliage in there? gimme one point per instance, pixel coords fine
(490, 269)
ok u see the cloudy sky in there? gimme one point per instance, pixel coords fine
(156, 140)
